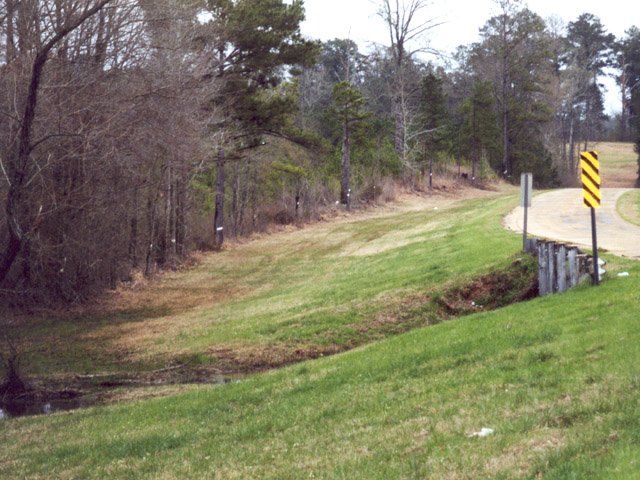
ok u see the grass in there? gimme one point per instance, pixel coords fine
(557, 378)
(284, 297)
(618, 164)
(629, 207)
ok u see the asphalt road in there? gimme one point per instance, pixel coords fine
(560, 215)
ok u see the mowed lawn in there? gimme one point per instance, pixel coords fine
(557, 379)
(618, 164)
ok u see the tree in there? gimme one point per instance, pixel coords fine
(348, 107)
(431, 120)
(628, 54)
(19, 167)
(404, 26)
(250, 43)
(627, 51)
(514, 55)
(589, 51)
(479, 132)
(116, 139)
(339, 60)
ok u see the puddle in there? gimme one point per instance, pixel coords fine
(220, 380)
(24, 408)
(38, 406)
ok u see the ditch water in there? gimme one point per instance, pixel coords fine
(30, 406)
(27, 407)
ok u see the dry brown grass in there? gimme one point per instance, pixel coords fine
(619, 168)
(517, 460)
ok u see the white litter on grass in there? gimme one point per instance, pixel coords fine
(601, 262)
(484, 432)
(623, 274)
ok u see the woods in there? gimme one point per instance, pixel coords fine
(133, 132)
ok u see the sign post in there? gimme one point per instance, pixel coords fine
(526, 189)
(591, 183)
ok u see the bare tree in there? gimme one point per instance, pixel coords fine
(402, 18)
(116, 137)
(18, 161)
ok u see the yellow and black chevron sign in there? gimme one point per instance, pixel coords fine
(591, 180)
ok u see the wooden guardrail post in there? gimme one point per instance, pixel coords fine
(551, 271)
(574, 275)
(560, 266)
(561, 261)
(543, 269)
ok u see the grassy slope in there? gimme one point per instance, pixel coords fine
(557, 378)
(629, 207)
(320, 289)
(618, 164)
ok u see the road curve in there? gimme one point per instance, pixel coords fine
(560, 215)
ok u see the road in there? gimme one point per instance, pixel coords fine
(559, 215)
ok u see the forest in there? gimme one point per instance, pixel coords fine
(135, 132)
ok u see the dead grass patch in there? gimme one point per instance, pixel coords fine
(518, 459)
(619, 167)
(400, 318)
(234, 359)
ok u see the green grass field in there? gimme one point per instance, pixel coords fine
(557, 378)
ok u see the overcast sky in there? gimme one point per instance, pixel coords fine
(357, 19)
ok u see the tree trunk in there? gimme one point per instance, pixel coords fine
(345, 171)
(476, 147)
(505, 139)
(169, 236)
(133, 232)
(151, 220)
(218, 219)
(624, 114)
(235, 199)
(181, 228)
(399, 137)
(505, 110)
(10, 36)
(11, 252)
(572, 145)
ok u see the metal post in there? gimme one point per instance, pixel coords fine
(594, 236)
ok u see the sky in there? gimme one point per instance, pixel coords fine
(461, 20)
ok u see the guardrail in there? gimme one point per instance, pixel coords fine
(560, 266)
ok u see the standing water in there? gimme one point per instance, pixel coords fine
(23, 408)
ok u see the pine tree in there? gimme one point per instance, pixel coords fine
(251, 41)
(432, 120)
(348, 106)
(589, 51)
(514, 56)
(479, 132)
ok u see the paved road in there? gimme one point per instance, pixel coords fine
(559, 215)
